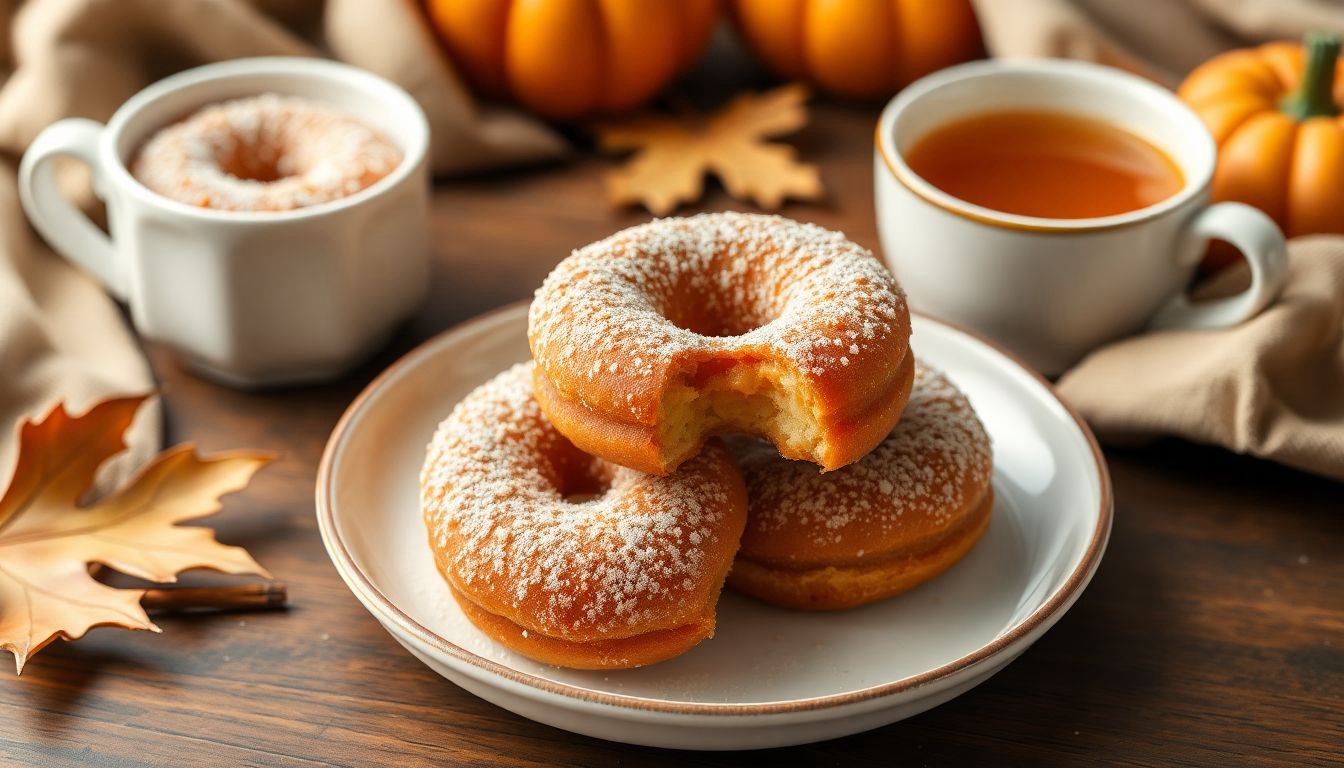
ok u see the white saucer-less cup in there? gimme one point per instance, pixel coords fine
(1053, 289)
(248, 298)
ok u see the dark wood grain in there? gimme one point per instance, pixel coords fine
(1213, 633)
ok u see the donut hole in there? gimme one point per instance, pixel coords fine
(715, 310)
(579, 477)
(262, 162)
(717, 325)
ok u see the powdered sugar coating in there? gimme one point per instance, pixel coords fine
(645, 554)
(934, 466)
(617, 319)
(317, 153)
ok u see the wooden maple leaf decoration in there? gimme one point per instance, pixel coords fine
(674, 154)
(48, 541)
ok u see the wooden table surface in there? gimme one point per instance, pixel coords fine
(1213, 633)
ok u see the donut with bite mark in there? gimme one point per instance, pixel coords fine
(651, 341)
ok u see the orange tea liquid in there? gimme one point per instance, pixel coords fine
(1045, 164)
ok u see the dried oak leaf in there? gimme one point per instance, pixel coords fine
(48, 540)
(674, 154)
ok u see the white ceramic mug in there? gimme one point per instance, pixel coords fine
(1053, 289)
(249, 298)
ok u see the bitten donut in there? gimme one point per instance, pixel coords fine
(264, 153)
(653, 339)
(566, 558)
(895, 518)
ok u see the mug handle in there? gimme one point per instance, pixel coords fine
(63, 225)
(1259, 240)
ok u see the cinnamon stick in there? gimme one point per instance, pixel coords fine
(236, 598)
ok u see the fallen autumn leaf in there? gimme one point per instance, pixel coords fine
(673, 154)
(48, 540)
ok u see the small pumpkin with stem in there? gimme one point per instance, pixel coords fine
(1276, 114)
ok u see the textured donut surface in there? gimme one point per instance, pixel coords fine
(264, 153)
(891, 520)
(566, 558)
(653, 339)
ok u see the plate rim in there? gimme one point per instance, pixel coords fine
(1042, 617)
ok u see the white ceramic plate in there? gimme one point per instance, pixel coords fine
(769, 677)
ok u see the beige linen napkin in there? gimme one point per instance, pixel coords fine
(1272, 387)
(61, 337)
(1163, 39)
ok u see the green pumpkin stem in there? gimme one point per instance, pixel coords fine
(1315, 95)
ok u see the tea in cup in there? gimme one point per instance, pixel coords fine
(1057, 205)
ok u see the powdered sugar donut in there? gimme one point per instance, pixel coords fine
(653, 339)
(569, 559)
(891, 520)
(264, 153)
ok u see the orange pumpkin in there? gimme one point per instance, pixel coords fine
(859, 49)
(571, 58)
(1275, 112)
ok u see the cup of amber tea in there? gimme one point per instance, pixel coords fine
(1057, 205)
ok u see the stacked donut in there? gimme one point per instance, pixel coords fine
(583, 508)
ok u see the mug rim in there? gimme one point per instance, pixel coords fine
(413, 153)
(884, 142)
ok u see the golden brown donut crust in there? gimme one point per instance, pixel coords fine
(897, 517)
(830, 588)
(663, 334)
(600, 566)
(620, 653)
